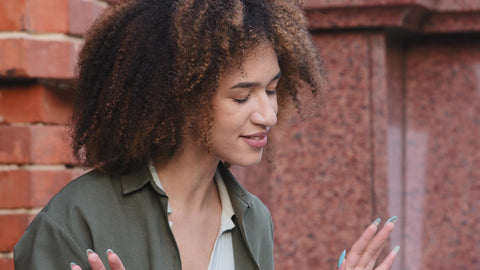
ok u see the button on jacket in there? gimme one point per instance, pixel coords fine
(128, 214)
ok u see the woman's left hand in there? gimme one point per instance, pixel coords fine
(367, 248)
(97, 264)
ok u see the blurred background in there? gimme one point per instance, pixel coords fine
(399, 132)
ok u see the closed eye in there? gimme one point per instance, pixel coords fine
(241, 100)
(271, 92)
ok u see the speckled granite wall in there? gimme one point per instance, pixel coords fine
(399, 135)
(442, 183)
(321, 187)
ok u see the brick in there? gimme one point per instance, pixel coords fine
(12, 228)
(82, 14)
(34, 103)
(50, 58)
(11, 15)
(14, 189)
(12, 57)
(6, 264)
(47, 16)
(49, 145)
(34, 144)
(32, 188)
(14, 144)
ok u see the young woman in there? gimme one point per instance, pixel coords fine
(170, 93)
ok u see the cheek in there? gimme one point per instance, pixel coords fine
(226, 113)
(222, 122)
(230, 117)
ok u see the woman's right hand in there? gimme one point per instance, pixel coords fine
(97, 264)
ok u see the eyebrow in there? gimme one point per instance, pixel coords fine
(255, 84)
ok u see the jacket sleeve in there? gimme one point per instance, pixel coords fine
(46, 245)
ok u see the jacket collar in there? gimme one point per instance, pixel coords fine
(241, 201)
(235, 190)
(240, 198)
(137, 179)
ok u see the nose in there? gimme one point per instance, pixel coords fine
(265, 113)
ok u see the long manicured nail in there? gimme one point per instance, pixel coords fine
(109, 251)
(342, 257)
(89, 251)
(392, 219)
(377, 221)
(396, 249)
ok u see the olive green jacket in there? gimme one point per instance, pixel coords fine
(128, 214)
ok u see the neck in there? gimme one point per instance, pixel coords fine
(188, 178)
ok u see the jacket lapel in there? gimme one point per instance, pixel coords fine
(241, 203)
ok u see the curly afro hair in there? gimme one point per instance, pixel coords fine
(149, 69)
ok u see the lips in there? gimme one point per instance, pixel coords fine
(257, 140)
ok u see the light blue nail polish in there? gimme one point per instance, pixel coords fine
(72, 264)
(396, 249)
(89, 251)
(377, 221)
(342, 257)
(392, 219)
(109, 251)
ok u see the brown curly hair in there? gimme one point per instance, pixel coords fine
(148, 71)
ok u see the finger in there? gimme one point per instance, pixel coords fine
(372, 262)
(94, 260)
(341, 261)
(114, 261)
(388, 261)
(74, 266)
(359, 246)
(375, 245)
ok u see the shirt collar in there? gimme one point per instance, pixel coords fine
(239, 196)
(227, 208)
(154, 174)
(157, 183)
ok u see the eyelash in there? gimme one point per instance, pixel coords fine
(269, 92)
(241, 100)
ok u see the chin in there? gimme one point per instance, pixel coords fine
(246, 161)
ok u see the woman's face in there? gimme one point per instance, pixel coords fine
(245, 108)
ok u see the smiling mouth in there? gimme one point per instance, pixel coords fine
(256, 141)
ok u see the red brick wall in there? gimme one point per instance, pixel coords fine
(39, 42)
